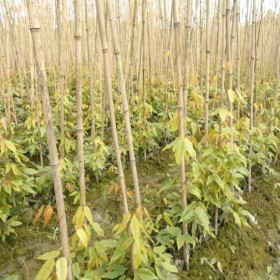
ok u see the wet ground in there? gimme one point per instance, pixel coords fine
(253, 253)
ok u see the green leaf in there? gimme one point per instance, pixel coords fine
(76, 269)
(146, 274)
(67, 144)
(169, 267)
(202, 217)
(182, 238)
(10, 146)
(122, 249)
(15, 223)
(28, 189)
(179, 149)
(121, 227)
(189, 147)
(236, 218)
(45, 270)
(61, 268)
(188, 212)
(30, 171)
(97, 228)
(117, 271)
(195, 191)
(174, 231)
(167, 219)
(218, 181)
(12, 277)
(108, 243)
(49, 255)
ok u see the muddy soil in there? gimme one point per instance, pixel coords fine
(240, 254)
(253, 253)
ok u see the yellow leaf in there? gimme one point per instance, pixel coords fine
(174, 122)
(69, 187)
(129, 194)
(137, 256)
(83, 237)
(114, 188)
(213, 81)
(38, 215)
(231, 95)
(15, 169)
(192, 78)
(223, 114)
(123, 224)
(135, 228)
(147, 213)
(139, 213)
(88, 214)
(48, 213)
(4, 123)
(45, 270)
(10, 146)
(78, 219)
(8, 167)
(219, 266)
(61, 268)
(49, 255)
(228, 65)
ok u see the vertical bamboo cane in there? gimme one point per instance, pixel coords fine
(54, 161)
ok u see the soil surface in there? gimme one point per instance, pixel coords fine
(253, 253)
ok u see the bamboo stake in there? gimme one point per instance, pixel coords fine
(181, 117)
(207, 71)
(101, 25)
(80, 129)
(252, 95)
(90, 74)
(53, 154)
(125, 107)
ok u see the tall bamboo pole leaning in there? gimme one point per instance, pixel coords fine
(274, 107)
(252, 93)
(78, 63)
(187, 52)
(101, 25)
(61, 72)
(229, 65)
(181, 117)
(238, 55)
(90, 75)
(129, 64)
(143, 45)
(223, 56)
(207, 70)
(53, 154)
(125, 107)
(8, 67)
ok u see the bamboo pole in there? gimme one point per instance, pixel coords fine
(125, 107)
(252, 88)
(107, 72)
(53, 154)
(79, 101)
(181, 117)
